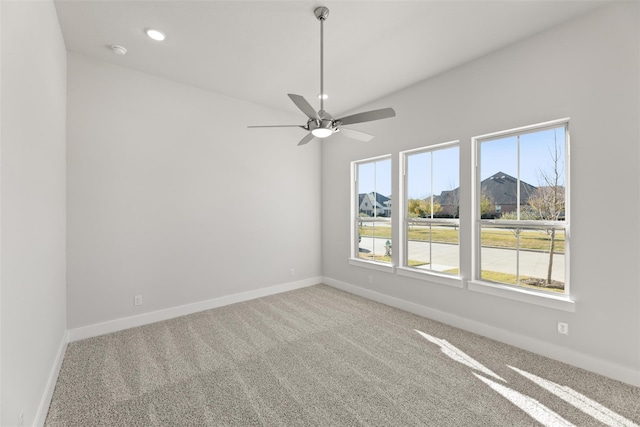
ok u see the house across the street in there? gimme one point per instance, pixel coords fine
(374, 204)
(501, 190)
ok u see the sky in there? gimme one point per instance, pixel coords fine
(498, 155)
(536, 155)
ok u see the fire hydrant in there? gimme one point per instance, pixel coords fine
(387, 247)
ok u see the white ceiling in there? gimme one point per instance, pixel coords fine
(261, 50)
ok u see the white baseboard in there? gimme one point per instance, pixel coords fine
(553, 351)
(182, 310)
(43, 408)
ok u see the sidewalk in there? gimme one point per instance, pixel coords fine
(446, 256)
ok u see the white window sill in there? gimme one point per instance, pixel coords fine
(380, 266)
(430, 276)
(558, 302)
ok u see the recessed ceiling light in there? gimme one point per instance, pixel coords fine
(118, 50)
(155, 34)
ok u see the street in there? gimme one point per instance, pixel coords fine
(446, 256)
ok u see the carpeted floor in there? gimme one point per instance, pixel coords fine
(320, 356)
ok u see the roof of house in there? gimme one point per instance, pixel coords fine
(500, 187)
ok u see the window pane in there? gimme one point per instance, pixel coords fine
(432, 191)
(523, 178)
(366, 187)
(446, 182)
(542, 164)
(499, 174)
(383, 187)
(418, 245)
(538, 269)
(433, 183)
(537, 160)
(445, 251)
(374, 188)
(366, 177)
(419, 185)
(499, 255)
(374, 210)
(433, 247)
(528, 257)
(374, 241)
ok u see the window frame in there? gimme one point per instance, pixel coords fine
(354, 258)
(520, 293)
(403, 268)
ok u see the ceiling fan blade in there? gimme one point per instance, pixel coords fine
(355, 134)
(368, 116)
(304, 106)
(306, 139)
(278, 126)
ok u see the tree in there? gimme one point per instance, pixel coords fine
(436, 208)
(546, 203)
(421, 208)
(486, 204)
(548, 200)
(415, 207)
(526, 214)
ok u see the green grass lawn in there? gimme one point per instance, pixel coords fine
(511, 279)
(529, 239)
(492, 276)
(385, 258)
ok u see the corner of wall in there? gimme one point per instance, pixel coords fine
(43, 407)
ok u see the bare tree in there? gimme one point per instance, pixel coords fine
(548, 200)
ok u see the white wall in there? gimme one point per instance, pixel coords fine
(32, 179)
(587, 69)
(170, 196)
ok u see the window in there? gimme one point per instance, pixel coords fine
(371, 211)
(431, 194)
(521, 208)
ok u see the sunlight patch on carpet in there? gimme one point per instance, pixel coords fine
(529, 405)
(580, 401)
(459, 356)
(532, 407)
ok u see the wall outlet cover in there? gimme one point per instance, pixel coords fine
(563, 328)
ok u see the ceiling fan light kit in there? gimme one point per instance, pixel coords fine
(321, 124)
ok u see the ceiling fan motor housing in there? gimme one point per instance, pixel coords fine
(321, 124)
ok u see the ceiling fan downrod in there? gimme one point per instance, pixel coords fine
(322, 13)
(321, 124)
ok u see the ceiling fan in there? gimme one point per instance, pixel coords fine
(321, 124)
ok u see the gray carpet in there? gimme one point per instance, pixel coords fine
(320, 356)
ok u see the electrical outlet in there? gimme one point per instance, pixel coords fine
(563, 328)
(137, 300)
(21, 419)
(371, 280)
(293, 272)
